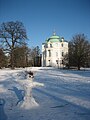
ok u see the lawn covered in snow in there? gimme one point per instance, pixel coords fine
(53, 94)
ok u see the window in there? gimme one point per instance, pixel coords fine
(62, 53)
(57, 61)
(51, 45)
(46, 46)
(49, 63)
(62, 44)
(49, 52)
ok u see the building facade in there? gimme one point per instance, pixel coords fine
(53, 51)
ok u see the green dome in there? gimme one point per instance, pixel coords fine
(53, 38)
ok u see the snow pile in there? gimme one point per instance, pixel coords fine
(28, 103)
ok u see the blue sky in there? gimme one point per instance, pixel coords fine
(42, 17)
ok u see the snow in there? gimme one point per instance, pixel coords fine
(53, 94)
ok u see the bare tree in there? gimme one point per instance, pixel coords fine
(34, 56)
(12, 34)
(79, 51)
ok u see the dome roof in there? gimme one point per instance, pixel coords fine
(53, 38)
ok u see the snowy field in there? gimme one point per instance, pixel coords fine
(53, 94)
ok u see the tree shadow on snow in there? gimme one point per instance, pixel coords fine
(84, 73)
(3, 116)
(80, 111)
(19, 94)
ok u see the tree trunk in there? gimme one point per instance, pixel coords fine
(78, 67)
(12, 60)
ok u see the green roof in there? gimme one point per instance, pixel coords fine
(54, 38)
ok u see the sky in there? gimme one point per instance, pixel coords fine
(42, 17)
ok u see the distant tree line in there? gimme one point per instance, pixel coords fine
(79, 52)
(14, 51)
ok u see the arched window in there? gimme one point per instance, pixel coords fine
(51, 45)
(49, 52)
(62, 44)
(62, 54)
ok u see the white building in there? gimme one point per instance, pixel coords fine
(53, 51)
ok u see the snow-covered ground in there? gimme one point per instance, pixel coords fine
(53, 94)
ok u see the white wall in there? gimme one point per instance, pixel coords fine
(55, 49)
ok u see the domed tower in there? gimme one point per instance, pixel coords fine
(53, 51)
